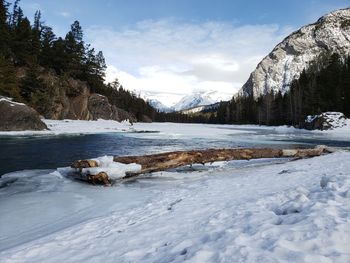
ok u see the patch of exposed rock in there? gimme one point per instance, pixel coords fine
(16, 116)
(331, 33)
(72, 99)
(100, 108)
(325, 121)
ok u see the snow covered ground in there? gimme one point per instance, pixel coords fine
(241, 211)
(174, 130)
(59, 127)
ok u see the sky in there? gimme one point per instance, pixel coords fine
(165, 49)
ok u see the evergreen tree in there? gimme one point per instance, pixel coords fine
(21, 42)
(36, 36)
(4, 31)
(31, 84)
(8, 81)
(47, 47)
(75, 50)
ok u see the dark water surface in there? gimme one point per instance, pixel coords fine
(50, 152)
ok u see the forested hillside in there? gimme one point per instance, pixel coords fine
(324, 86)
(44, 70)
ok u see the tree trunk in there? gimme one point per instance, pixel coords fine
(164, 161)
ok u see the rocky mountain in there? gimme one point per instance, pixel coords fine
(197, 98)
(202, 109)
(158, 105)
(331, 33)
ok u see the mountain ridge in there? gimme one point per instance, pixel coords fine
(190, 101)
(276, 71)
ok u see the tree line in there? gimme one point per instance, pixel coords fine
(31, 49)
(323, 86)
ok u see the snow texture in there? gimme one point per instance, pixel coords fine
(158, 105)
(10, 100)
(184, 130)
(331, 120)
(193, 100)
(241, 211)
(106, 164)
(58, 127)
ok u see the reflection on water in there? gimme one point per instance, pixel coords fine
(57, 151)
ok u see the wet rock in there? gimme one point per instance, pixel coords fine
(84, 164)
(100, 178)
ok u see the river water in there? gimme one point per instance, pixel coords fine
(50, 152)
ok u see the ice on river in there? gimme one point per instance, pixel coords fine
(173, 130)
(239, 211)
(106, 164)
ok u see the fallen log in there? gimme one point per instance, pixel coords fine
(164, 161)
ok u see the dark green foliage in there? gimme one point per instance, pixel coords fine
(8, 81)
(34, 51)
(4, 29)
(324, 86)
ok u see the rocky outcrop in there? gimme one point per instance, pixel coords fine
(100, 108)
(18, 117)
(325, 121)
(331, 33)
(72, 99)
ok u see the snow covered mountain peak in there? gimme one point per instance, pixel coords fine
(158, 105)
(288, 59)
(197, 98)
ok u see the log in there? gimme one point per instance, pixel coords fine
(164, 161)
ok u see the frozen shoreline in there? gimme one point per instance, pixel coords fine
(236, 211)
(268, 210)
(79, 127)
(61, 127)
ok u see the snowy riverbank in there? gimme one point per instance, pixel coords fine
(79, 127)
(229, 212)
(241, 211)
(59, 127)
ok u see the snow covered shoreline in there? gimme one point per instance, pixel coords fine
(79, 127)
(234, 212)
(61, 127)
(242, 211)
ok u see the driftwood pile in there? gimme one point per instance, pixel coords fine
(164, 161)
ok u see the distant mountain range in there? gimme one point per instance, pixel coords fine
(158, 105)
(191, 102)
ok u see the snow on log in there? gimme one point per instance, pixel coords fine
(84, 169)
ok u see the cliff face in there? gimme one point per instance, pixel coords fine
(72, 99)
(331, 33)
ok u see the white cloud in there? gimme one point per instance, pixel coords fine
(168, 59)
(64, 14)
